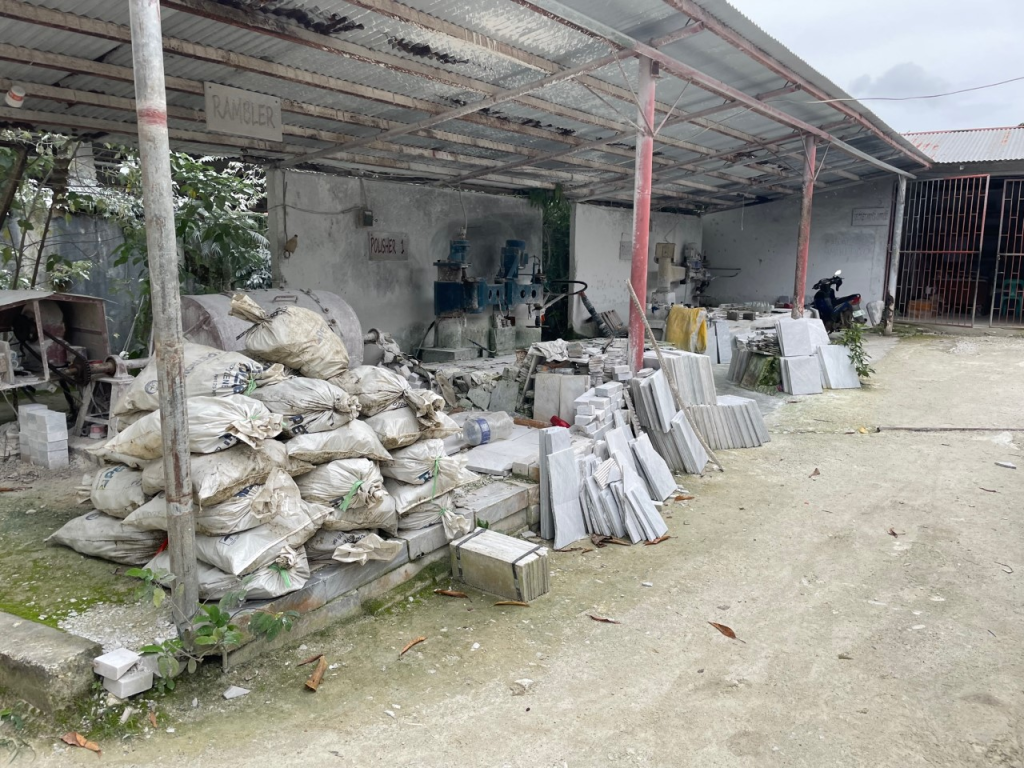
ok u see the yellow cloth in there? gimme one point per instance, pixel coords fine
(687, 329)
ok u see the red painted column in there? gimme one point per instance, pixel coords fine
(641, 209)
(803, 238)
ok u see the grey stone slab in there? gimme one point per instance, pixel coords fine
(47, 668)
(651, 521)
(694, 457)
(424, 541)
(804, 374)
(552, 439)
(794, 336)
(613, 511)
(618, 443)
(571, 388)
(564, 482)
(840, 372)
(547, 389)
(655, 471)
(504, 396)
(664, 403)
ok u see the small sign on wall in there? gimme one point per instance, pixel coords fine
(870, 217)
(242, 113)
(625, 250)
(388, 246)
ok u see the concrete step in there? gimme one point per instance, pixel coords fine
(47, 668)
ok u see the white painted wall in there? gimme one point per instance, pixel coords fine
(394, 296)
(761, 241)
(597, 232)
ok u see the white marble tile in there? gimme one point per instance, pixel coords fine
(804, 375)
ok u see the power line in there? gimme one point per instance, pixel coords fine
(916, 98)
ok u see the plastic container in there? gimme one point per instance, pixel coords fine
(487, 429)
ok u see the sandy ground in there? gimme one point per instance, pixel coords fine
(856, 647)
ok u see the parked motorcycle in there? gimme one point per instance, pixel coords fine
(836, 312)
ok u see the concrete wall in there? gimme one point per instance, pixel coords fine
(598, 233)
(394, 296)
(761, 241)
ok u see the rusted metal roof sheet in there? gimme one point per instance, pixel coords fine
(445, 53)
(976, 145)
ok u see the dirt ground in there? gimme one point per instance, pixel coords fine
(877, 606)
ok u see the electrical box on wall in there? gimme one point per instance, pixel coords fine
(366, 217)
(664, 251)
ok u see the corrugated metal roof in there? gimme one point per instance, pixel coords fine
(976, 145)
(445, 53)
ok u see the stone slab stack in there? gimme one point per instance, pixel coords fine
(43, 436)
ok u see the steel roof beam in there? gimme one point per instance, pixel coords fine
(705, 82)
(712, 24)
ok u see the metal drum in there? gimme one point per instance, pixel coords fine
(205, 318)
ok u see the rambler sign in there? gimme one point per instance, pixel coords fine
(241, 113)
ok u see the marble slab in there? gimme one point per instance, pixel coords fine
(564, 483)
(694, 457)
(653, 468)
(837, 367)
(552, 440)
(803, 375)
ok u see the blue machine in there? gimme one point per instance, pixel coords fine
(456, 294)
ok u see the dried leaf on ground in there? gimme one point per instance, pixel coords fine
(412, 643)
(658, 540)
(5, 489)
(451, 593)
(570, 549)
(76, 739)
(152, 719)
(845, 657)
(987, 490)
(815, 473)
(310, 660)
(683, 497)
(727, 631)
(862, 430)
(513, 602)
(603, 619)
(893, 533)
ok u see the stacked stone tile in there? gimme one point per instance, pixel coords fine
(43, 436)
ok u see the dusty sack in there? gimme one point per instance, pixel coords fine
(377, 389)
(265, 583)
(216, 477)
(451, 474)
(402, 427)
(369, 547)
(275, 540)
(100, 535)
(416, 464)
(295, 337)
(344, 483)
(382, 516)
(312, 405)
(323, 543)
(115, 490)
(426, 514)
(208, 372)
(214, 424)
(355, 440)
(250, 507)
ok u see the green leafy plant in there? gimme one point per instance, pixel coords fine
(269, 625)
(771, 376)
(151, 589)
(853, 339)
(11, 717)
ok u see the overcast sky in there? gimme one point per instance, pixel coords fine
(910, 48)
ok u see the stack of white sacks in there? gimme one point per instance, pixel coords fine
(297, 461)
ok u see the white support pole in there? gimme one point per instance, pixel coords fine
(894, 256)
(161, 243)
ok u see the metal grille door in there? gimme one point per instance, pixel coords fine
(1008, 288)
(940, 259)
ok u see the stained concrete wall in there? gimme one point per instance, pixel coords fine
(397, 295)
(849, 231)
(600, 258)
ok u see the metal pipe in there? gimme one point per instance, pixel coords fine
(803, 238)
(894, 258)
(641, 208)
(155, 152)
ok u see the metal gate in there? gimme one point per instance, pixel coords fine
(1008, 287)
(940, 253)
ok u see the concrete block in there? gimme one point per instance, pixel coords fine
(47, 668)
(134, 682)
(425, 540)
(26, 409)
(582, 421)
(497, 501)
(116, 663)
(44, 420)
(47, 446)
(609, 390)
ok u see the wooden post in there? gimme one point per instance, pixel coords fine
(162, 247)
(803, 238)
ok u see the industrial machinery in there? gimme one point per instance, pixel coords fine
(517, 289)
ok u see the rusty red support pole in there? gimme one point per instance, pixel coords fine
(803, 238)
(641, 208)
(162, 252)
